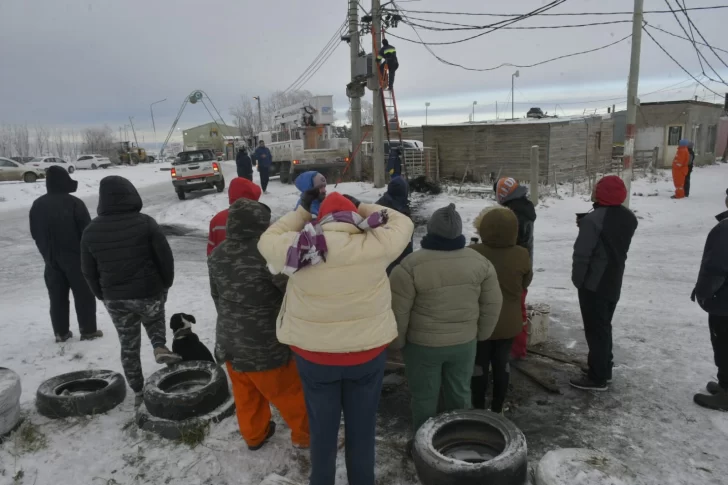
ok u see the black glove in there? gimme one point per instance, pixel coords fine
(353, 200)
(309, 197)
(692, 296)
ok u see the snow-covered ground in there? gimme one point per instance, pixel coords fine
(14, 195)
(647, 419)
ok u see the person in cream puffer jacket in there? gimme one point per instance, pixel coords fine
(337, 317)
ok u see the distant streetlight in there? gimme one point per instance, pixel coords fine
(513, 87)
(260, 115)
(151, 110)
(473, 118)
(427, 106)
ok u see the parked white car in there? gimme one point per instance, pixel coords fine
(10, 170)
(92, 162)
(44, 163)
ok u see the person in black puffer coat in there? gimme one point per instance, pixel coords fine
(128, 264)
(510, 194)
(57, 221)
(397, 198)
(244, 164)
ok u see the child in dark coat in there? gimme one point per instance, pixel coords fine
(397, 198)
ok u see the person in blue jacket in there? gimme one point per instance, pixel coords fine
(263, 158)
(307, 181)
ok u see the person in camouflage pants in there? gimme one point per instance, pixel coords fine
(248, 298)
(128, 317)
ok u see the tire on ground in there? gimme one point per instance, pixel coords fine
(570, 465)
(470, 448)
(10, 420)
(186, 390)
(174, 430)
(80, 393)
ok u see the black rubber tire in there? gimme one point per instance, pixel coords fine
(71, 169)
(174, 430)
(108, 390)
(285, 177)
(509, 467)
(220, 186)
(29, 178)
(104, 167)
(93, 166)
(10, 390)
(210, 392)
(181, 194)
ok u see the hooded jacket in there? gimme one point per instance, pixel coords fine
(240, 188)
(243, 163)
(306, 181)
(345, 303)
(711, 290)
(124, 255)
(498, 230)
(247, 297)
(397, 198)
(517, 201)
(57, 219)
(605, 234)
(681, 162)
(263, 157)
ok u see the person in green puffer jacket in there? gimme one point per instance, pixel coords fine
(498, 229)
(445, 298)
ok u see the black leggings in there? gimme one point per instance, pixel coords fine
(493, 353)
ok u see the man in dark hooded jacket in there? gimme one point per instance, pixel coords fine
(600, 254)
(57, 221)
(509, 193)
(129, 265)
(711, 293)
(397, 198)
(244, 164)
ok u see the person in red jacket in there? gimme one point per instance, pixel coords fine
(240, 188)
(680, 168)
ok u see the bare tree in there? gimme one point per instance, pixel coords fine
(246, 118)
(246, 112)
(42, 140)
(98, 140)
(60, 145)
(21, 140)
(6, 141)
(367, 113)
(278, 100)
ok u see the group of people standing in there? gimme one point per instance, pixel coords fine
(308, 305)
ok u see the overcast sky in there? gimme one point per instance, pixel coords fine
(80, 63)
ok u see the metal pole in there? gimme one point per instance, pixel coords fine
(427, 107)
(513, 100)
(260, 115)
(632, 101)
(378, 167)
(154, 127)
(534, 174)
(355, 102)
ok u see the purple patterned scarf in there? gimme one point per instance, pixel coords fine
(309, 247)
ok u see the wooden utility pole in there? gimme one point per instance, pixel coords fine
(632, 101)
(534, 174)
(355, 101)
(378, 167)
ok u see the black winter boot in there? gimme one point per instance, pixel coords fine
(713, 387)
(271, 432)
(718, 402)
(62, 338)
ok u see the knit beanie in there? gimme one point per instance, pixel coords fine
(610, 191)
(445, 223)
(505, 187)
(335, 203)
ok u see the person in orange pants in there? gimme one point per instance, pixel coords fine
(680, 167)
(248, 298)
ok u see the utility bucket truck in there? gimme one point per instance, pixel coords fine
(303, 140)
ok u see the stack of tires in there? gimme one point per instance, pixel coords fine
(182, 397)
(10, 390)
(81, 393)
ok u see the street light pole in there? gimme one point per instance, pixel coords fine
(474, 103)
(260, 115)
(513, 100)
(154, 127)
(427, 106)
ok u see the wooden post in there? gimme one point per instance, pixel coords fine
(556, 187)
(655, 155)
(534, 174)
(573, 180)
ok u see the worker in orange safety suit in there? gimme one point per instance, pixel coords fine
(680, 169)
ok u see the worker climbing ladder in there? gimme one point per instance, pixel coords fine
(389, 106)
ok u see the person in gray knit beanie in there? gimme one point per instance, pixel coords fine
(446, 223)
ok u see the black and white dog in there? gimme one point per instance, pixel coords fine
(186, 343)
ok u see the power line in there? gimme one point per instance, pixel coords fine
(334, 39)
(564, 14)
(321, 64)
(676, 61)
(693, 26)
(482, 27)
(680, 37)
(498, 25)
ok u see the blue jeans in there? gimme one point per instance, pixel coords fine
(355, 390)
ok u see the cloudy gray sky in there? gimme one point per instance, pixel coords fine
(78, 63)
